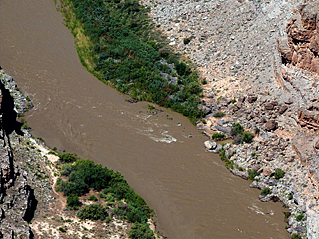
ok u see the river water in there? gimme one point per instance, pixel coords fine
(192, 193)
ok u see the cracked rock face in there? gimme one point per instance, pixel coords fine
(308, 118)
(301, 48)
(17, 200)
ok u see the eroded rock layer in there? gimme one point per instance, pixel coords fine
(301, 47)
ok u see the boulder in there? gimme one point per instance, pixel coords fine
(240, 101)
(271, 125)
(210, 145)
(267, 171)
(283, 109)
(226, 130)
(242, 174)
(205, 109)
(218, 148)
(269, 106)
(251, 98)
(210, 95)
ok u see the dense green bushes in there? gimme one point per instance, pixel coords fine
(279, 173)
(252, 174)
(237, 129)
(265, 191)
(93, 212)
(240, 135)
(117, 42)
(73, 202)
(84, 174)
(67, 157)
(219, 114)
(218, 136)
(141, 231)
(247, 137)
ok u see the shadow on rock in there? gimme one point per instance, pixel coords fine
(9, 115)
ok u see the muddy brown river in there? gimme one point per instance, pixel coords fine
(192, 193)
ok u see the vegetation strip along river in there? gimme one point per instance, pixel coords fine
(192, 193)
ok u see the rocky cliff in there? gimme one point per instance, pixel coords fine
(17, 200)
(25, 190)
(301, 47)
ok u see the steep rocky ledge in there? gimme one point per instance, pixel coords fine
(17, 199)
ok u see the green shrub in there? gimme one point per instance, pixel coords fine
(219, 114)
(108, 219)
(62, 229)
(141, 231)
(204, 81)
(237, 129)
(218, 136)
(252, 174)
(279, 173)
(67, 157)
(187, 40)
(85, 174)
(299, 217)
(296, 236)
(229, 164)
(222, 154)
(73, 202)
(93, 198)
(93, 212)
(290, 196)
(265, 191)
(247, 137)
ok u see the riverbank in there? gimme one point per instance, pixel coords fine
(29, 182)
(75, 112)
(249, 83)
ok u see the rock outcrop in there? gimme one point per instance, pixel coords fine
(17, 199)
(301, 47)
(308, 118)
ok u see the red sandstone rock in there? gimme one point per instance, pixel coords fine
(301, 48)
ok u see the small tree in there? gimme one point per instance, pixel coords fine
(279, 173)
(218, 136)
(93, 198)
(247, 137)
(265, 191)
(237, 129)
(67, 157)
(73, 202)
(141, 231)
(93, 212)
